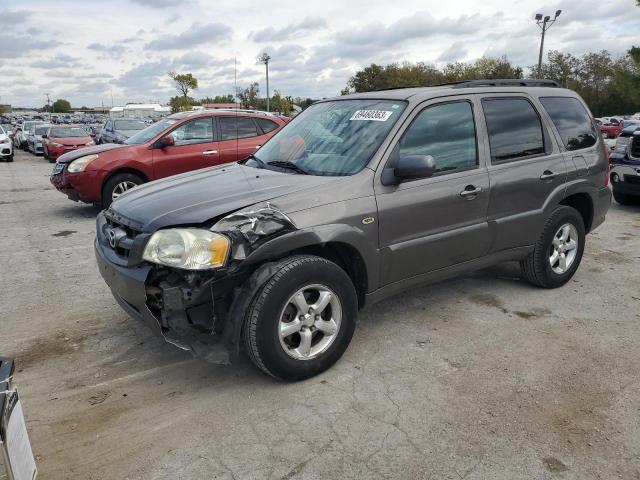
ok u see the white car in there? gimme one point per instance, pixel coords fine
(6, 147)
(34, 138)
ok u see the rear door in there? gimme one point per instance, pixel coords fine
(240, 137)
(527, 169)
(195, 147)
(436, 222)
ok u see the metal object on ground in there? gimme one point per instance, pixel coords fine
(17, 455)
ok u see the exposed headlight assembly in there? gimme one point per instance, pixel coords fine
(79, 164)
(187, 248)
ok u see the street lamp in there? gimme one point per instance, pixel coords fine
(544, 22)
(264, 58)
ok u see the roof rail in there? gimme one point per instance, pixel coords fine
(502, 82)
(240, 110)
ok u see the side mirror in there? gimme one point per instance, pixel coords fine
(167, 141)
(44, 136)
(409, 167)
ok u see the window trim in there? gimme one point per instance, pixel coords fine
(592, 122)
(257, 122)
(546, 141)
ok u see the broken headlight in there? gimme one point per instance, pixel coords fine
(187, 248)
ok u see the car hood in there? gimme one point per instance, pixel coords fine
(71, 156)
(200, 196)
(72, 140)
(4, 138)
(126, 133)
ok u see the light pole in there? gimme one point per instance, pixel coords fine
(48, 107)
(544, 22)
(264, 58)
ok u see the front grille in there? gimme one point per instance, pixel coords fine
(58, 168)
(124, 235)
(633, 179)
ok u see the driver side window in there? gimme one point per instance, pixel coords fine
(199, 130)
(445, 131)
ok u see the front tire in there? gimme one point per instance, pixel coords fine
(302, 319)
(117, 185)
(558, 252)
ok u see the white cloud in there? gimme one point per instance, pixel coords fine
(128, 48)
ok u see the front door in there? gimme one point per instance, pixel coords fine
(194, 147)
(436, 222)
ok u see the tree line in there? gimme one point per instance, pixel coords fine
(610, 86)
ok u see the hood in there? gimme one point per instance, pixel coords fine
(126, 133)
(4, 138)
(72, 140)
(196, 197)
(71, 156)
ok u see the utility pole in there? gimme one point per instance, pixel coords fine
(264, 58)
(544, 22)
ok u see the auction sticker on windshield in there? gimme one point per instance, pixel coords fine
(372, 115)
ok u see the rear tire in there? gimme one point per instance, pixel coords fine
(553, 261)
(625, 199)
(117, 185)
(302, 284)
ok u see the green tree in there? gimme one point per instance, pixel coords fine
(61, 106)
(249, 96)
(398, 75)
(1, 109)
(217, 99)
(181, 104)
(184, 82)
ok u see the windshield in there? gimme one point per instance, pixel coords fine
(128, 125)
(143, 136)
(332, 138)
(68, 132)
(41, 130)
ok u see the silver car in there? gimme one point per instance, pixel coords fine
(34, 138)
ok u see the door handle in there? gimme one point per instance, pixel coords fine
(548, 175)
(470, 192)
(210, 152)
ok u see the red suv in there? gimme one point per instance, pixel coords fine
(178, 143)
(64, 138)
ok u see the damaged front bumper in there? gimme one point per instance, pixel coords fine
(197, 311)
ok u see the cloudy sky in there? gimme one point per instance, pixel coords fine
(88, 51)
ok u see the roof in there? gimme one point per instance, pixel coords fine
(218, 112)
(460, 88)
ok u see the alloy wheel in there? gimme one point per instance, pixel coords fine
(564, 248)
(309, 322)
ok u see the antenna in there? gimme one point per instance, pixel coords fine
(235, 81)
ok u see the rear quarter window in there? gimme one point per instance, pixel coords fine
(572, 121)
(266, 125)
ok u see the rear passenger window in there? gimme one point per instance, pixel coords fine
(514, 129)
(572, 121)
(447, 132)
(266, 125)
(237, 127)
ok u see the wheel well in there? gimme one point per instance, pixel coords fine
(346, 257)
(125, 170)
(582, 203)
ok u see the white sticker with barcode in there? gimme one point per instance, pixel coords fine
(372, 115)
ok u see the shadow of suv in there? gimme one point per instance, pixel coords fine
(358, 198)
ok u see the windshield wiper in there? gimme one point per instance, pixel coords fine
(260, 163)
(289, 166)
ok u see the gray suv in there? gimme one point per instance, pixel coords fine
(356, 199)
